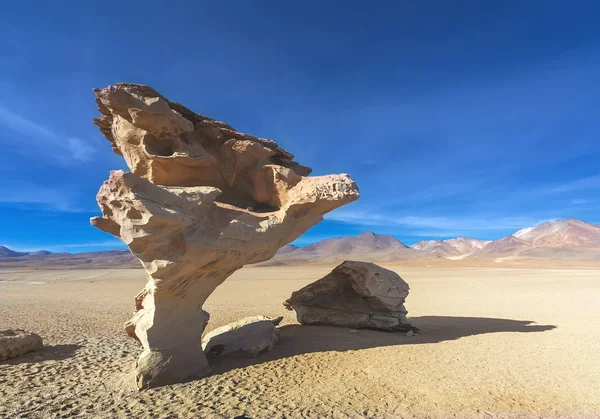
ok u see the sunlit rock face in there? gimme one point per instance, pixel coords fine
(201, 201)
(359, 295)
(17, 342)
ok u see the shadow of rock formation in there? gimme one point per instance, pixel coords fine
(297, 339)
(47, 353)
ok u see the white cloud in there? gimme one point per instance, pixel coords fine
(19, 192)
(106, 243)
(65, 149)
(80, 150)
(580, 201)
(590, 182)
(69, 247)
(21, 125)
(434, 225)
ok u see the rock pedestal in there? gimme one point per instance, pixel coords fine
(359, 295)
(201, 201)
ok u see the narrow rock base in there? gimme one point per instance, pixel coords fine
(160, 368)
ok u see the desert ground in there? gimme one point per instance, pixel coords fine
(495, 342)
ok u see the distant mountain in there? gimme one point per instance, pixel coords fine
(564, 240)
(44, 259)
(467, 245)
(287, 249)
(40, 253)
(365, 247)
(5, 252)
(457, 248)
(366, 242)
(569, 232)
(507, 246)
(568, 239)
(440, 247)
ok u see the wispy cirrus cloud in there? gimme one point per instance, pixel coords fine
(499, 215)
(586, 183)
(65, 149)
(68, 247)
(22, 193)
(432, 224)
(105, 243)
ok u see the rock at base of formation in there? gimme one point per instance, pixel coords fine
(248, 337)
(359, 295)
(201, 201)
(15, 343)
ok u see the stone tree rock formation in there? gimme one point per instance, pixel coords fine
(360, 295)
(201, 201)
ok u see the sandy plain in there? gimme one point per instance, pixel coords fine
(495, 342)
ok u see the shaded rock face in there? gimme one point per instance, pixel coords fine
(357, 295)
(247, 337)
(201, 201)
(15, 343)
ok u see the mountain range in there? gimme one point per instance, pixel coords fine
(568, 239)
(457, 248)
(367, 246)
(561, 240)
(44, 259)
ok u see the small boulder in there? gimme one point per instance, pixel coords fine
(17, 342)
(358, 295)
(248, 337)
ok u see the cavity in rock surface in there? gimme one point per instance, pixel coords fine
(359, 295)
(201, 201)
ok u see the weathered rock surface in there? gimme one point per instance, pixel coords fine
(357, 295)
(16, 342)
(248, 337)
(201, 201)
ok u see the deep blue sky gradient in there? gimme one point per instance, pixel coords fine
(455, 118)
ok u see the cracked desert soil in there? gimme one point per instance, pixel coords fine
(495, 342)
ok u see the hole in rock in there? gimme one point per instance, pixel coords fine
(158, 147)
(243, 202)
(215, 350)
(134, 214)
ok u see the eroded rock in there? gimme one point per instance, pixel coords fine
(201, 201)
(17, 342)
(357, 295)
(247, 337)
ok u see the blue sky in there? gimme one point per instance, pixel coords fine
(455, 118)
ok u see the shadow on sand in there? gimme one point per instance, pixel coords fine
(47, 353)
(297, 339)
